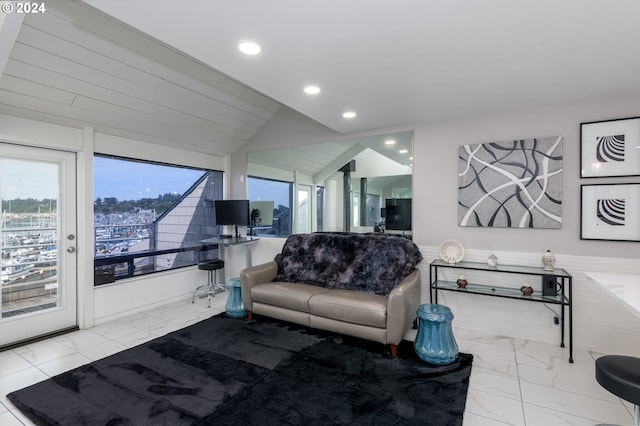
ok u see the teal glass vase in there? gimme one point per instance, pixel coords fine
(234, 307)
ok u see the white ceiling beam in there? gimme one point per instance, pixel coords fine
(337, 163)
(10, 24)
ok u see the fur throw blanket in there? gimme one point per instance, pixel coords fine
(374, 263)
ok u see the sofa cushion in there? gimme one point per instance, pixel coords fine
(373, 263)
(350, 306)
(286, 295)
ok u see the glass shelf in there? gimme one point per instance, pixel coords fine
(510, 293)
(513, 269)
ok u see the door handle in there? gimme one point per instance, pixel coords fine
(71, 249)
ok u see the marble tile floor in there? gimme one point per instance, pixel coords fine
(513, 382)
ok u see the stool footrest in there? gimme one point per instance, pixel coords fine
(212, 287)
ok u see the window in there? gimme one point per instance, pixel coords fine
(151, 217)
(281, 193)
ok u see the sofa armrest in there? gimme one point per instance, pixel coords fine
(258, 274)
(402, 306)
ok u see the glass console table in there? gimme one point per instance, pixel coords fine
(561, 277)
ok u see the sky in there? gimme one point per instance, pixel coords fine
(268, 190)
(113, 178)
(124, 180)
(28, 179)
(128, 180)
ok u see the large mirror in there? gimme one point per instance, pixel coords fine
(356, 185)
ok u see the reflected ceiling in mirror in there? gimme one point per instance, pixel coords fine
(373, 155)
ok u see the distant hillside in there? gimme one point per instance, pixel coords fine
(29, 205)
(104, 206)
(110, 205)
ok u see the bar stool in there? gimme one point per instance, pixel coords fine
(212, 286)
(620, 375)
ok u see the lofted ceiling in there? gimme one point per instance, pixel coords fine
(76, 66)
(406, 61)
(169, 72)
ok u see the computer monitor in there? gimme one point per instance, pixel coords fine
(232, 212)
(398, 214)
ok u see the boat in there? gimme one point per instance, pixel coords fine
(48, 255)
(14, 269)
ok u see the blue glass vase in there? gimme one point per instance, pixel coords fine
(234, 307)
(434, 342)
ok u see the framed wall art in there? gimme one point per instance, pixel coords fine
(610, 212)
(511, 184)
(610, 148)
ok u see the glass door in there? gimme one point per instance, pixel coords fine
(37, 240)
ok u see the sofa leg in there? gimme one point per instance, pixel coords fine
(394, 351)
(249, 315)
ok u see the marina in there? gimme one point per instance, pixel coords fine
(29, 259)
(18, 267)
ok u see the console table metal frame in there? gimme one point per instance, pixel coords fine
(563, 297)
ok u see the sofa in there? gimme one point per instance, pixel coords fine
(361, 285)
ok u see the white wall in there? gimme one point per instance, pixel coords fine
(601, 322)
(435, 160)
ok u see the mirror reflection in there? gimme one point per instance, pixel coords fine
(355, 185)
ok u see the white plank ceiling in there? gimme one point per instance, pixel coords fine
(78, 67)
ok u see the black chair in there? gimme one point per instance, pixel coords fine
(620, 375)
(212, 286)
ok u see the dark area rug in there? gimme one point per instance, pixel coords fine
(225, 371)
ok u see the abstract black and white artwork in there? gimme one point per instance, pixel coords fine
(610, 212)
(511, 184)
(610, 148)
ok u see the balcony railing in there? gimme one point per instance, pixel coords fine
(111, 267)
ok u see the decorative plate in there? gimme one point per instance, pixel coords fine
(451, 251)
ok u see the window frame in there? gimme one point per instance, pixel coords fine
(188, 251)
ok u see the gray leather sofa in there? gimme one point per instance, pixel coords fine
(362, 285)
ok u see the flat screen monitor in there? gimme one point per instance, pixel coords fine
(232, 212)
(264, 214)
(398, 214)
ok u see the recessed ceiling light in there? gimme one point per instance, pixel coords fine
(390, 142)
(312, 90)
(403, 151)
(349, 114)
(411, 158)
(249, 48)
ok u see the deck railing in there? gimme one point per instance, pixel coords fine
(112, 267)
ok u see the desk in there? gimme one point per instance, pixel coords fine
(624, 286)
(224, 243)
